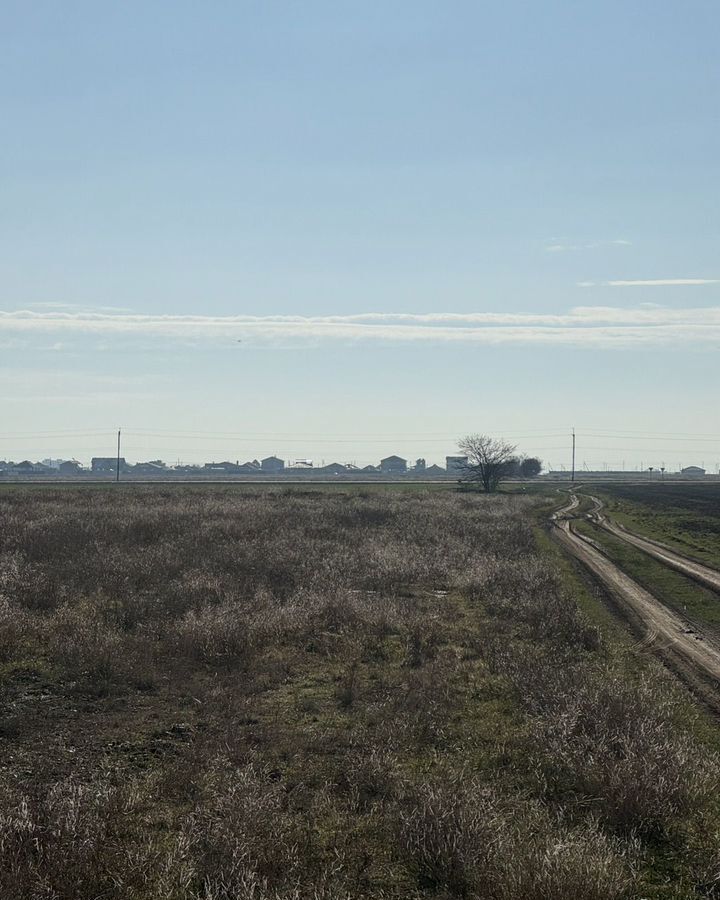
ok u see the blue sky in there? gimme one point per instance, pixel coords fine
(340, 230)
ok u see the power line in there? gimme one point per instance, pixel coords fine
(609, 434)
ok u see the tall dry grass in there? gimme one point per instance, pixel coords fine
(221, 695)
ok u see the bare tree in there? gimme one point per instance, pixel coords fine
(490, 460)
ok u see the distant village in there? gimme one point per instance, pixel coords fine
(271, 465)
(104, 467)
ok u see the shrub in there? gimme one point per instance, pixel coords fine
(421, 641)
(87, 647)
(615, 746)
(17, 630)
(467, 840)
(240, 833)
(215, 635)
(68, 844)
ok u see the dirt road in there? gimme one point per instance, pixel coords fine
(679, 640)
(704, 574)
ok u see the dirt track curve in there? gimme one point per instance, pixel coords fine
(685, 645)
(704, 574)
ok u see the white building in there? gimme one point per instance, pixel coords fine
(456, 465)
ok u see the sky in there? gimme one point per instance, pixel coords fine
(340, 230)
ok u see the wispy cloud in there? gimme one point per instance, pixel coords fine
(562, 246)
(664, 282)
(600, 326)
(78, 307)
(651, 282)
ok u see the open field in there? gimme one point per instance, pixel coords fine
(699, 572)
(684, 516)
(211, 694)
(669, 585)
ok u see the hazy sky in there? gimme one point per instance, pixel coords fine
(340, 230)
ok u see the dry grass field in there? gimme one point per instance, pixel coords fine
(220, 694)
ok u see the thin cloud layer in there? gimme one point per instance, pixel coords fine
(656, 282)
(566, 247)
(664, 282)
(599, 326)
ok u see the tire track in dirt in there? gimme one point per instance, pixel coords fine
(703, 574)
(691, 650)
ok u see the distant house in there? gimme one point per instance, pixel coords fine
(70, 467)
(370, 470)
(222, 468)
(393, 465)
(333, 469)
(107, 465)
(272, 465)
(435, 470)
(149, 468)
(228, 468)
(303, 465)
(30, 468)
(692, 470)
(456, 465)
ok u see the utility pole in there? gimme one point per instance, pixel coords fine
(117, 468)
(573, 457)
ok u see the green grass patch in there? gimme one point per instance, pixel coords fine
(670, 587)
(584, 590)
(686, 518)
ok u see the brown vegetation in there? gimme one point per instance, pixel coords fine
(210, 694)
